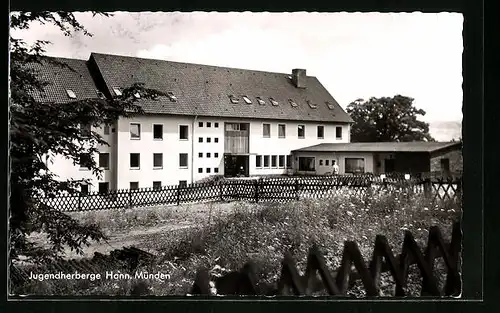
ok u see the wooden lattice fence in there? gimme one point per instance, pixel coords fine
(278, 189)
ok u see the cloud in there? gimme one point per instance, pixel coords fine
(354, 55)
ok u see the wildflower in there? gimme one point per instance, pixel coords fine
(365, 237)
(426, 209)
(349, 213)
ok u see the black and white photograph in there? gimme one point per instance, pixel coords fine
(210, 154)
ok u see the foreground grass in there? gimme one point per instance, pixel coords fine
(225, 241)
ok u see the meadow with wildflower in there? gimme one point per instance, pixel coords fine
(227, 236)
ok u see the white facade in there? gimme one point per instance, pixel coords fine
(205, 156)
(65, 169)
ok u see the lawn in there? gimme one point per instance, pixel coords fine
(223, 236)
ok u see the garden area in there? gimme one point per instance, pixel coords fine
(222, 237)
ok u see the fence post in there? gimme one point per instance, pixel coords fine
(130, 198)
(256, 190)
(221, 191)
(178, 194)
(79, 201)
(427, 187)
(297, 196)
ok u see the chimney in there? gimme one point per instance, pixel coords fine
(299, 78)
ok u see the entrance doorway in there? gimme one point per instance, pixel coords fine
(389, 165)
(236, 165)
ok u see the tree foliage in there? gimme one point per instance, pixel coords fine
(38, 130)
(387, 120)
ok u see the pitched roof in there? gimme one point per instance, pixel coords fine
(69, 74)
(379, 147)
(204, 90)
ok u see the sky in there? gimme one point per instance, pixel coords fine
(354, 55)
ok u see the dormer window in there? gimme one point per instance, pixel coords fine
(71, 93)
(233, 99)
(247, 100)
(273, 102)
(171, 96)
(260, 101)
(100, 95)
(117, 91)
(312, 105)
(329, 105)
(292, 103)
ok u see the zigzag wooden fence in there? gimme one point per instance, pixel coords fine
(280, 189)
(337, 283)
(244, 282)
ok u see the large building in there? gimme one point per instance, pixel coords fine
(215, 120)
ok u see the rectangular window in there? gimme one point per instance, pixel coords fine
(216, 155)
(135, 131)
(209, 139)
(209, 124)
(135, 160)
(117, 90)
(183, 160)
(134, 185)
(258, 161)
(157, 160)
(327, 162)
(281, 130)
(338, 132)
(200, 170)
(274, 161)
(306, 164)
(104, 160)
(354, 165)
(301, 131)
(183, 183)
(183, 132)
(200, 154)
(321, 132)
(288, 161)
(320, 162)
(247, 100)
(281, 161)
(200, 139)
(104, 187)
(208, 170)
(216, 170)
(157, 185)
(157, 131)
(208, 154)
(261, 101)
(216, 125)
(84, 189)
(266, 161)
(216, 139)
(200, 124)
(445, 165)
(266, 130)
(84, 160)
(106, 129)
